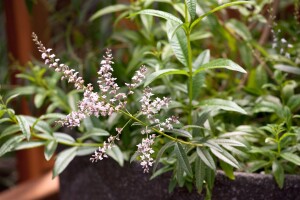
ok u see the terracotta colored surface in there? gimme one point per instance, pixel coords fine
(38, 188)
(30, 163)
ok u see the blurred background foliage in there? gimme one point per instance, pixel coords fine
(263, 38)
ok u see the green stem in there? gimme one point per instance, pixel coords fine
(158, 131)
(190, 86)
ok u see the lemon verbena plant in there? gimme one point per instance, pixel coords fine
(182, 125)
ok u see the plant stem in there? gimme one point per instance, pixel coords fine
(158, 131)
(190, 81)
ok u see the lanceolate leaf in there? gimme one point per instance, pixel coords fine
(161, 171)
(183, 159)
(161, 73)
(107, 10)
(199, 173)
(116, 154)
(225, 5)
(278, 173)
(202, 59)
(160, 153)
(288, 69)
(229, 142)
(291, 157)
(10, 130)
(221, 64)
(178, 41)
(11, 144)
(179, 174)
(180, 132)
(226, 157)
(24, 126)
(63, 159)
(50, 148)
(205, 156)
(222, 104)
(94, 132)
(191, 4)
(29, 144)
(63, 138)
(160, 14)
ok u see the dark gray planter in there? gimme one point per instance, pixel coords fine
(106, 180)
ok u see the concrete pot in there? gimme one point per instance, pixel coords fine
(84, 180)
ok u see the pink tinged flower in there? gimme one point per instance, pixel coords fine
(44, 55)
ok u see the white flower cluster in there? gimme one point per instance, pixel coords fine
(149, 108)
(104, 103)
(50, 60)
(101, 152)
(145, 151)
(109, 100)
(136, 79)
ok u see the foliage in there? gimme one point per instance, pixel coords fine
(228, 118)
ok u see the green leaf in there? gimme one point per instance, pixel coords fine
(39, 99)
(229, 142)
(198, 82)
(226, 157)
(191, 4)
(239, 28)
(220, 64)
(134, 156)
(84, 151)
(116, 154)
(63, 138)
(222, 104)
(212, 145)
(10, 144)
(26, 90)
(257, 165)
(29, 145)
(294, 102)
(53, 116)
(225, 5)
(3, 120)
(288, 69)
(50, 148)
(38, 125)
(291, 157)
(24, 126)
(107, 10)
(278, 173)
(11, 98)
(63, 159)
(183, 159)
(94, 132)
(161, 73)
(199, 173)
(160, 153)
(210, 177)
(205, 156)
(178, 42)
(180, 133)
(227, 169)
(10, 130)
(160, 171)
(202, 59)
(161, 14)
(179, 174)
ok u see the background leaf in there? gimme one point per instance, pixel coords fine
(63, 159)
(183, 159)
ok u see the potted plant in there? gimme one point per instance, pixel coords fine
(173, 131)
